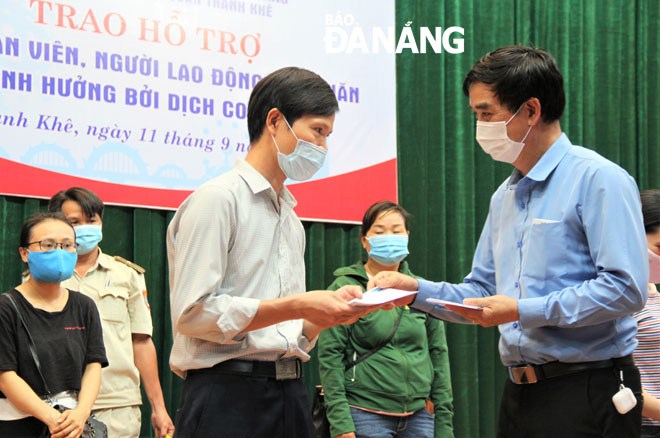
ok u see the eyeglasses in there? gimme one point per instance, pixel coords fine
(49, 245)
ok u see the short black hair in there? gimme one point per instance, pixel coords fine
(34, 220)
(651, 210)
(90, 203)
(377, 209)
(295, 92)
(516, 74)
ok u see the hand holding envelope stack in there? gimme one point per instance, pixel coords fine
(378, 296)
(450, 304)
(489, 311)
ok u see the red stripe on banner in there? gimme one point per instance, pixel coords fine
(345, 197)
(23, 180)
(341, 198)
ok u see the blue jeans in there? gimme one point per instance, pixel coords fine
(371, 425)
(650, 432)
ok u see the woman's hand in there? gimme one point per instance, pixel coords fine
(70, 424)
(651, 407)
(50, 418)
(346, 435)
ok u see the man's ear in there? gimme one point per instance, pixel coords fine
(273, 118)
(533, 110)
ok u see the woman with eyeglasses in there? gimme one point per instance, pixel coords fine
(65, 331)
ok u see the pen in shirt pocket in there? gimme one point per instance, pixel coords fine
(107, 283)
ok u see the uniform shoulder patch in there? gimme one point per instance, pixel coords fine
(130, 264)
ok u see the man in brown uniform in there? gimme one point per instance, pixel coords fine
(119, 290)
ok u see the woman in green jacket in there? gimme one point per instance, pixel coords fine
(393, 392)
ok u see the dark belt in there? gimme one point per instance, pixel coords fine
(279, 370)
(535, 373)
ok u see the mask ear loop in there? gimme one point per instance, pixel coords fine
(515, 114)
(528, 131)
(290, 128)
(278, 149)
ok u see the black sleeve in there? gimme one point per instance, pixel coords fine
(8, 320)
(95, 348)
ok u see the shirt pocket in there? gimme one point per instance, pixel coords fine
(113, 304)
(545, 256)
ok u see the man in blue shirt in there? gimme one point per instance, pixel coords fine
(560, 264)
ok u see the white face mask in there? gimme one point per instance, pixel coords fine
(494, 140)
(654, 267)
(305, 160)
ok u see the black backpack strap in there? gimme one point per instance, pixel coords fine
(31, 344)
(384, 343)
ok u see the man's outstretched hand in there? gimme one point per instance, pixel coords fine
(496, 310)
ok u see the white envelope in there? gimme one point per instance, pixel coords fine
(452, 303)
(538, 220)
(376, 296)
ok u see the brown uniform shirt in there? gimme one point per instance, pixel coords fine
(120, 293)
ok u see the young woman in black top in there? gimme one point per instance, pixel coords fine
(66, 330)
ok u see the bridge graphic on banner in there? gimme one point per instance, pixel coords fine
(113, 162)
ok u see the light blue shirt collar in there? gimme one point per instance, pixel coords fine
(548, 162)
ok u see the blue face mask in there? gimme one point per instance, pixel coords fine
(305, 160)
(388, 249)
(87, 237)
(52, 266)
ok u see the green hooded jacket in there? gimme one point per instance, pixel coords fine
(399, 378)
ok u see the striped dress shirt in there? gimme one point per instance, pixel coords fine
(647, 353)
